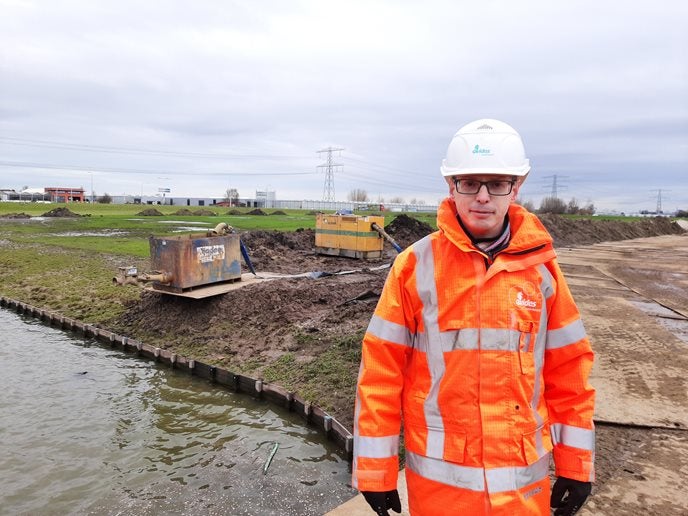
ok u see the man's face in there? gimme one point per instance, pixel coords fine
(481, 213)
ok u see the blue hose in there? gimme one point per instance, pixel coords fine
(244, 253)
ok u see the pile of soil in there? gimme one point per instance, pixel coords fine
(406, 230)
(184, 212)
(257, 211)
(149, 212)
(284, 252)
(568, 232)
(234, 212)
(204, 213)
(60, 212)
(16, 216)
(278, 212)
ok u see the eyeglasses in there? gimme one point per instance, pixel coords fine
(472, 186)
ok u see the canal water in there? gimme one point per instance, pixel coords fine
(85, 429)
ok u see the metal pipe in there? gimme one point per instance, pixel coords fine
(386, 236)
(130, 276)
(159, 276)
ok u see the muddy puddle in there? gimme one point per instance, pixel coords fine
(103, 233)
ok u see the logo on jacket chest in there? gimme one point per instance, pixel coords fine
(525, 296)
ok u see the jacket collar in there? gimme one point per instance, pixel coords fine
(528, 234)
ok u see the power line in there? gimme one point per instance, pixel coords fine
(383, 167)
(329, 166)
(367, 179)
(81, 168)
(133, 150)
(555, 185)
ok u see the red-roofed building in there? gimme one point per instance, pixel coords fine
(62, 194)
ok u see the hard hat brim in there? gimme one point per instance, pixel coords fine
(458, 171)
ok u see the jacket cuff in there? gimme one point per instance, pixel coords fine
(573, 463)
(376, 474)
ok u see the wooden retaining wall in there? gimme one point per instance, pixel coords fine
(311, 414)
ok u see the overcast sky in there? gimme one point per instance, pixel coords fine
(133, 96)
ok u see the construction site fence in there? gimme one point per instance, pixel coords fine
(309, 412)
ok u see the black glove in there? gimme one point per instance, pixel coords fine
(569, 495)
(380, 501)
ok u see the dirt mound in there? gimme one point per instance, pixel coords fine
(204, 213)
(150, 212)
(301, 239)
(184, 212)
(257, 211)
(278, 251)
(565, 231)
(16, 216)
(568, 232)
(234, 212)
(60, 212)
(278, 212)
(263, 321)
(406, 230)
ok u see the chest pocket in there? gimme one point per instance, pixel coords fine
(527, 332)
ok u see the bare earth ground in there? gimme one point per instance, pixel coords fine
(634, 299)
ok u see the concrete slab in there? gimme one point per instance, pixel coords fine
(357, 506)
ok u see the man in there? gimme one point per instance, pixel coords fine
(477, 342)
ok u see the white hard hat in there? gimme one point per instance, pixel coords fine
(486, 147)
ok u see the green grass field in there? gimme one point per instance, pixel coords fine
(118, 229)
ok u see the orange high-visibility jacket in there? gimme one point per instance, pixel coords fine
(486, 363)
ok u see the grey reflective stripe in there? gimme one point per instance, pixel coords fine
(465, 339)
(357, 413)
(569, 334)
(546, 289)
(451, 340)
(376, 447)
(547, 285)
(515, 477)
(389, 331)
(448, 473)
(427, 293)
(493, 339)
(573, 436)
(466, 477)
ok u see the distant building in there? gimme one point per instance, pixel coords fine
(65, 194)
(263, 199)
(29, 195)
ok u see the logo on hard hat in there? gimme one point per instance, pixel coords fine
(484, 152)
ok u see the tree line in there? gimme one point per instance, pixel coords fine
(560, 207)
